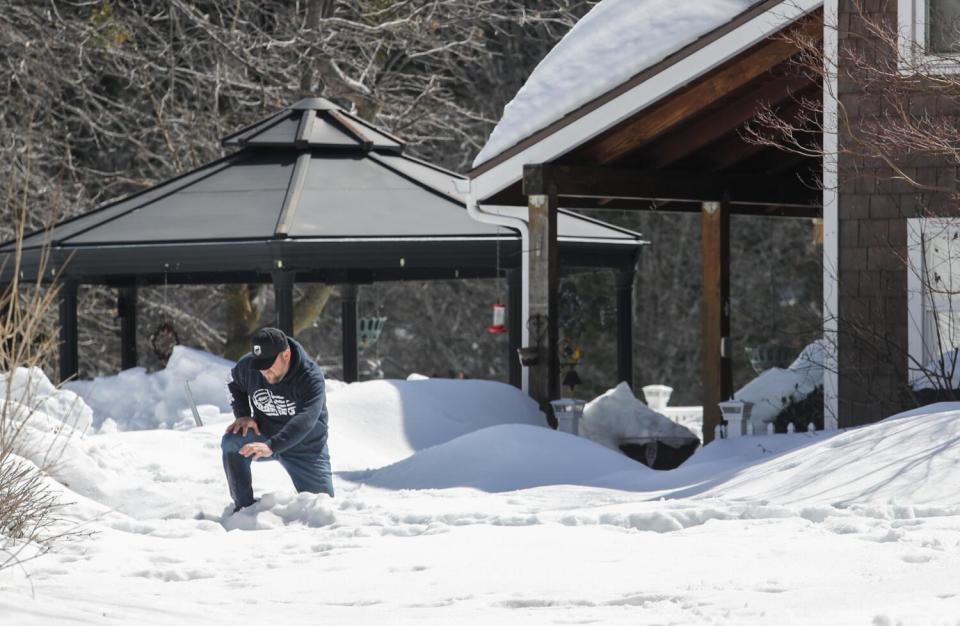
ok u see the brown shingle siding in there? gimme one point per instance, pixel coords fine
(873, 233)
(854, 259)
(849, 233)
(884, 206)
(857, 206)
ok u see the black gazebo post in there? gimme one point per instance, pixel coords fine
(69, 361)
(127, 312)
(348, 319)
(624, 285)
(514, 325)
(283, 298)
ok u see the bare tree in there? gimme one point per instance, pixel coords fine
(898, 123)
(119, 96)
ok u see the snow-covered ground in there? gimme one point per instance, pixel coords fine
(456, 506)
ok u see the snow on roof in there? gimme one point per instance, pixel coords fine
(613, 42)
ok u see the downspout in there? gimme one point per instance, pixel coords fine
(487, 217)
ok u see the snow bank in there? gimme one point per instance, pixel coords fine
(32, 392)
(614, 41)
(379, 422)
(618, 415)
(502, 458)
(942, 373)
(908, 459)
(776, 388)
(137, 400)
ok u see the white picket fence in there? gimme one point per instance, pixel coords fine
(658, 397)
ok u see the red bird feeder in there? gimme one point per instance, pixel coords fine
(499, 317)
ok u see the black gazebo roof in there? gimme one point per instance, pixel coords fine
(312, 190)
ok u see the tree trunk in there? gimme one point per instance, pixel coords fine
(310, 306)
(242, 318)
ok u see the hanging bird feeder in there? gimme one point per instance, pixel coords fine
(499, 325)
(499, 317)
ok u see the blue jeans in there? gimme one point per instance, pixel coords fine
(310, 471)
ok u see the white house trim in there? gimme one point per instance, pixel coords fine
(643, 95)
(831, 218)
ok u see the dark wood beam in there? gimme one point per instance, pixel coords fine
(758, 210)
(732, 150)
(544, 282)
(717, 364)
(689, 102)
(728, 118)
(572, 181)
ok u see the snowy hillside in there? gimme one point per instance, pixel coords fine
(456, 505)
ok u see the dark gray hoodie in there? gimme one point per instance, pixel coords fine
(293, 412)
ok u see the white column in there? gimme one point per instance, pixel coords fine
(831, 222)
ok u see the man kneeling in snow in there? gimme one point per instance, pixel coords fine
(289, 418)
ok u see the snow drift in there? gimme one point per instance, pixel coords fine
(502, 458)
(137, 400)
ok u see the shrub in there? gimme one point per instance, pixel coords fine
(28, 507)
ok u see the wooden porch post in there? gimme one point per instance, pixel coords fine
(127, 312)
(544, 283)
(348, 322)
(717, 370)
(624, 287)
(514, 323)
(283, 299)
(69, 359)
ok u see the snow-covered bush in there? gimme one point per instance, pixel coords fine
(788, 395)
(28, 438)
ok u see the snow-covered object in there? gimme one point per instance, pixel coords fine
(618, 415)
(776, 388)
(137, 400)
(811, 359)
(942, 373)
(34, 393)
(616, 40)
(379, 422)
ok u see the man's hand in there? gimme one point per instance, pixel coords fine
(256, 450)
(242, 425)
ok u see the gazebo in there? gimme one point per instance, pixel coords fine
(313, 194)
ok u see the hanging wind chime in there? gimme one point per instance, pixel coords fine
(499, 310)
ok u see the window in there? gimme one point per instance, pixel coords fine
(943, 26)
(933, 299)
(929, 35)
